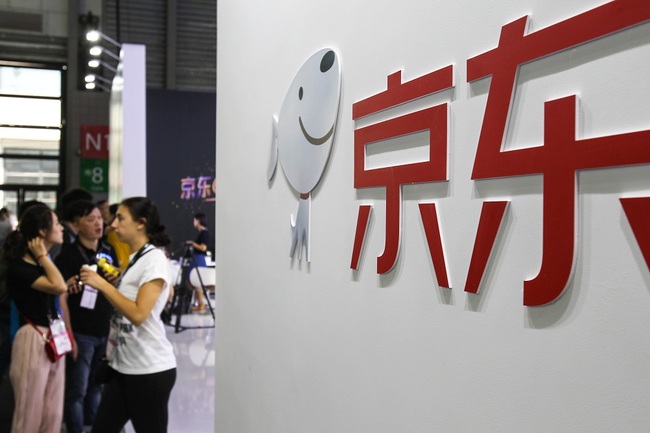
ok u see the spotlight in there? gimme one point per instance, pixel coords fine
(93, 36)
(94, 63)
(96, 35)
(93, 86)
(97, 51)
(93, 44)
(92, 78)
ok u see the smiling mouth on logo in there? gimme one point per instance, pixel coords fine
(314, 140)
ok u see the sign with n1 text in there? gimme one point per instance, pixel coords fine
(94, 141)
(93, 166)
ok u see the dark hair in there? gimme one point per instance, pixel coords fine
(201, 218)
(112, 209)
(69, 197)
(26, 205)
(141, 208)
(35, 219)
(79, 209)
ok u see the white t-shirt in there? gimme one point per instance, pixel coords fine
(143, 349)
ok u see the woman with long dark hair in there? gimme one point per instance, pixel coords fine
(33, 282)
(138, 349)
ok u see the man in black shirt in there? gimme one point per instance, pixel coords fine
(87, 313)
(66, 216)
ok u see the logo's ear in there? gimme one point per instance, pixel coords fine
(273, 157)
(327, 61)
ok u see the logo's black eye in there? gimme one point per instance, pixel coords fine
(327, 61)
(300, 94)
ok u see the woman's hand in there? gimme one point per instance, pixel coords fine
(111, 278)
(37, 247)
(75, 350)
(52, 281)
(92, 278)
(73, 285)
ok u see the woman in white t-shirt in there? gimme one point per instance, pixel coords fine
(138, 349)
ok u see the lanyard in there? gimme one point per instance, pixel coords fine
(82, 251)
(141, 252)
(101, 249)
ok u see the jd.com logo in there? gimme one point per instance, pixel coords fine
(558, 159)
(304, 133)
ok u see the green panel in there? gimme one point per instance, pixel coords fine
(94, 175)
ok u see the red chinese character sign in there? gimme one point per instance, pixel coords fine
(433, 120)
(562, 154)
(304, 133)
(558, 159)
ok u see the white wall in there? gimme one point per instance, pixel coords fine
(128, 125)
(319, 348)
